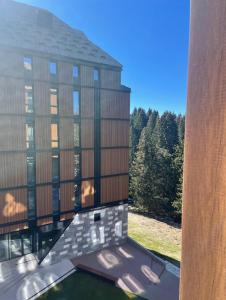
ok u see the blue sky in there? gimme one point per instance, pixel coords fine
(149, 37)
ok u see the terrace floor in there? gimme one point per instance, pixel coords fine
(134, 270)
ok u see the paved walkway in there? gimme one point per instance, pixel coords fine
(136, 270)
(23, 278)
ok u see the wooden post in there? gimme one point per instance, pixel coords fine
(203, 273)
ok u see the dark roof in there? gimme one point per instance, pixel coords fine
(31, 28)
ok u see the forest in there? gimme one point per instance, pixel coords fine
(156, 162)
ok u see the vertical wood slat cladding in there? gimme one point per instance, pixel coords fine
(65, 93)
(13, 169)
(114, 161)
(114, 133)
(40, 68)
(66, 133)
(87, 193)
(13, 228)
(86, 74)
(87, 102)
(12, 96)
(110, 79)
(13, 206)
(115, 104)
(66, 165)
(11, 63)
(12, 133)
(44, 221)
(44, 200)
(87, 163)
(65, 72)
(67, 196)
(43, 167)
(42, 133)
(87, 133)
(203, 272)
(114, 188)
(41, 98)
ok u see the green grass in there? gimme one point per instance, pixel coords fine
(141, 229)
(84, 286)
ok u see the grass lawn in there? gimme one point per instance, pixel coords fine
(162, 239)
(83, 286)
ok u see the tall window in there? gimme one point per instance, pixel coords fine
(27, 63)
(53, 102)
(30, 170)
(54, 135)
(75, 72)
(52, 68)
(76, 135)
(56, 200)
(29, 136)
(76, 102)
(76, 165)
(55, 167)
(29, 106)
(96, 75)
(31, 204)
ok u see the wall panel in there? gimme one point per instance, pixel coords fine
(86, 74)
(87, 133)
(65, 72)
(110, 78)
(12, 133)
(40, 68)
(87, 193)
(13, 206)
(44, 200)
(43, 167)
(66, 165)
(65, 93)
(41, 98)
(42, 133)
(115, 104)
(67, 197)
(12, 96)
(87, 102)
(13, 169)
(66, 133)
(114, 161)
(114, 133)
(87, 163)
(11, 63)
(114, 188)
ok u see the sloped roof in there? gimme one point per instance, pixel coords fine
(30, 28)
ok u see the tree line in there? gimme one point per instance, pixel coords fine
(156, 161)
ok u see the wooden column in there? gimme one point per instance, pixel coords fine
(203, 273)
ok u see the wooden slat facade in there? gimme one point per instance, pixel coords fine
(66, 132)
(41, 97)
(43, 167)
(65, 100)
(87, 102)
(44, 200)
(114, 133)
(114, 188)
(114, 161)
(66, 165)
(43, 133)
(87, 163)
(67, 197)
(87, 133)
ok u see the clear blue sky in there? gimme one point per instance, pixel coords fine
(149, 37)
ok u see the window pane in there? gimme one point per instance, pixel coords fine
(28, 99)
(53, 102)
(15, 245)
(54, 135)
(76, 102)
(76, 135)
(96, 74)
(31, 204)
(55, 167)
(75, 71)
(4, 249)
(29, 136)
(77, 192)
(52, 68)
(30, 170)
(27, 243)
(28, 63)
(76, 165)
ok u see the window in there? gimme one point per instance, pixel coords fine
(29, 99)
(54, 135)
(75, 72)
(52, 68)
(31, 204)
(53, 102)
(76, 135)
(56, 200)
(76, 165)
(27, 63)
(30, 170)
(55, 167)
(96, 74)
(76, 102)
(97, 217)
(29, 136)
(77, 195)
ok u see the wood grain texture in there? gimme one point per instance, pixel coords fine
(66, 133)
(114, 161)
(65, 100)
(41, 98)
(44, 200)
(114, 133)
(203, 273)
(67, 197)
(87, 102)
(87, 133)
(87, 163)
(66, 165)
(43, 167)
(43, 133)
(114, 188)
